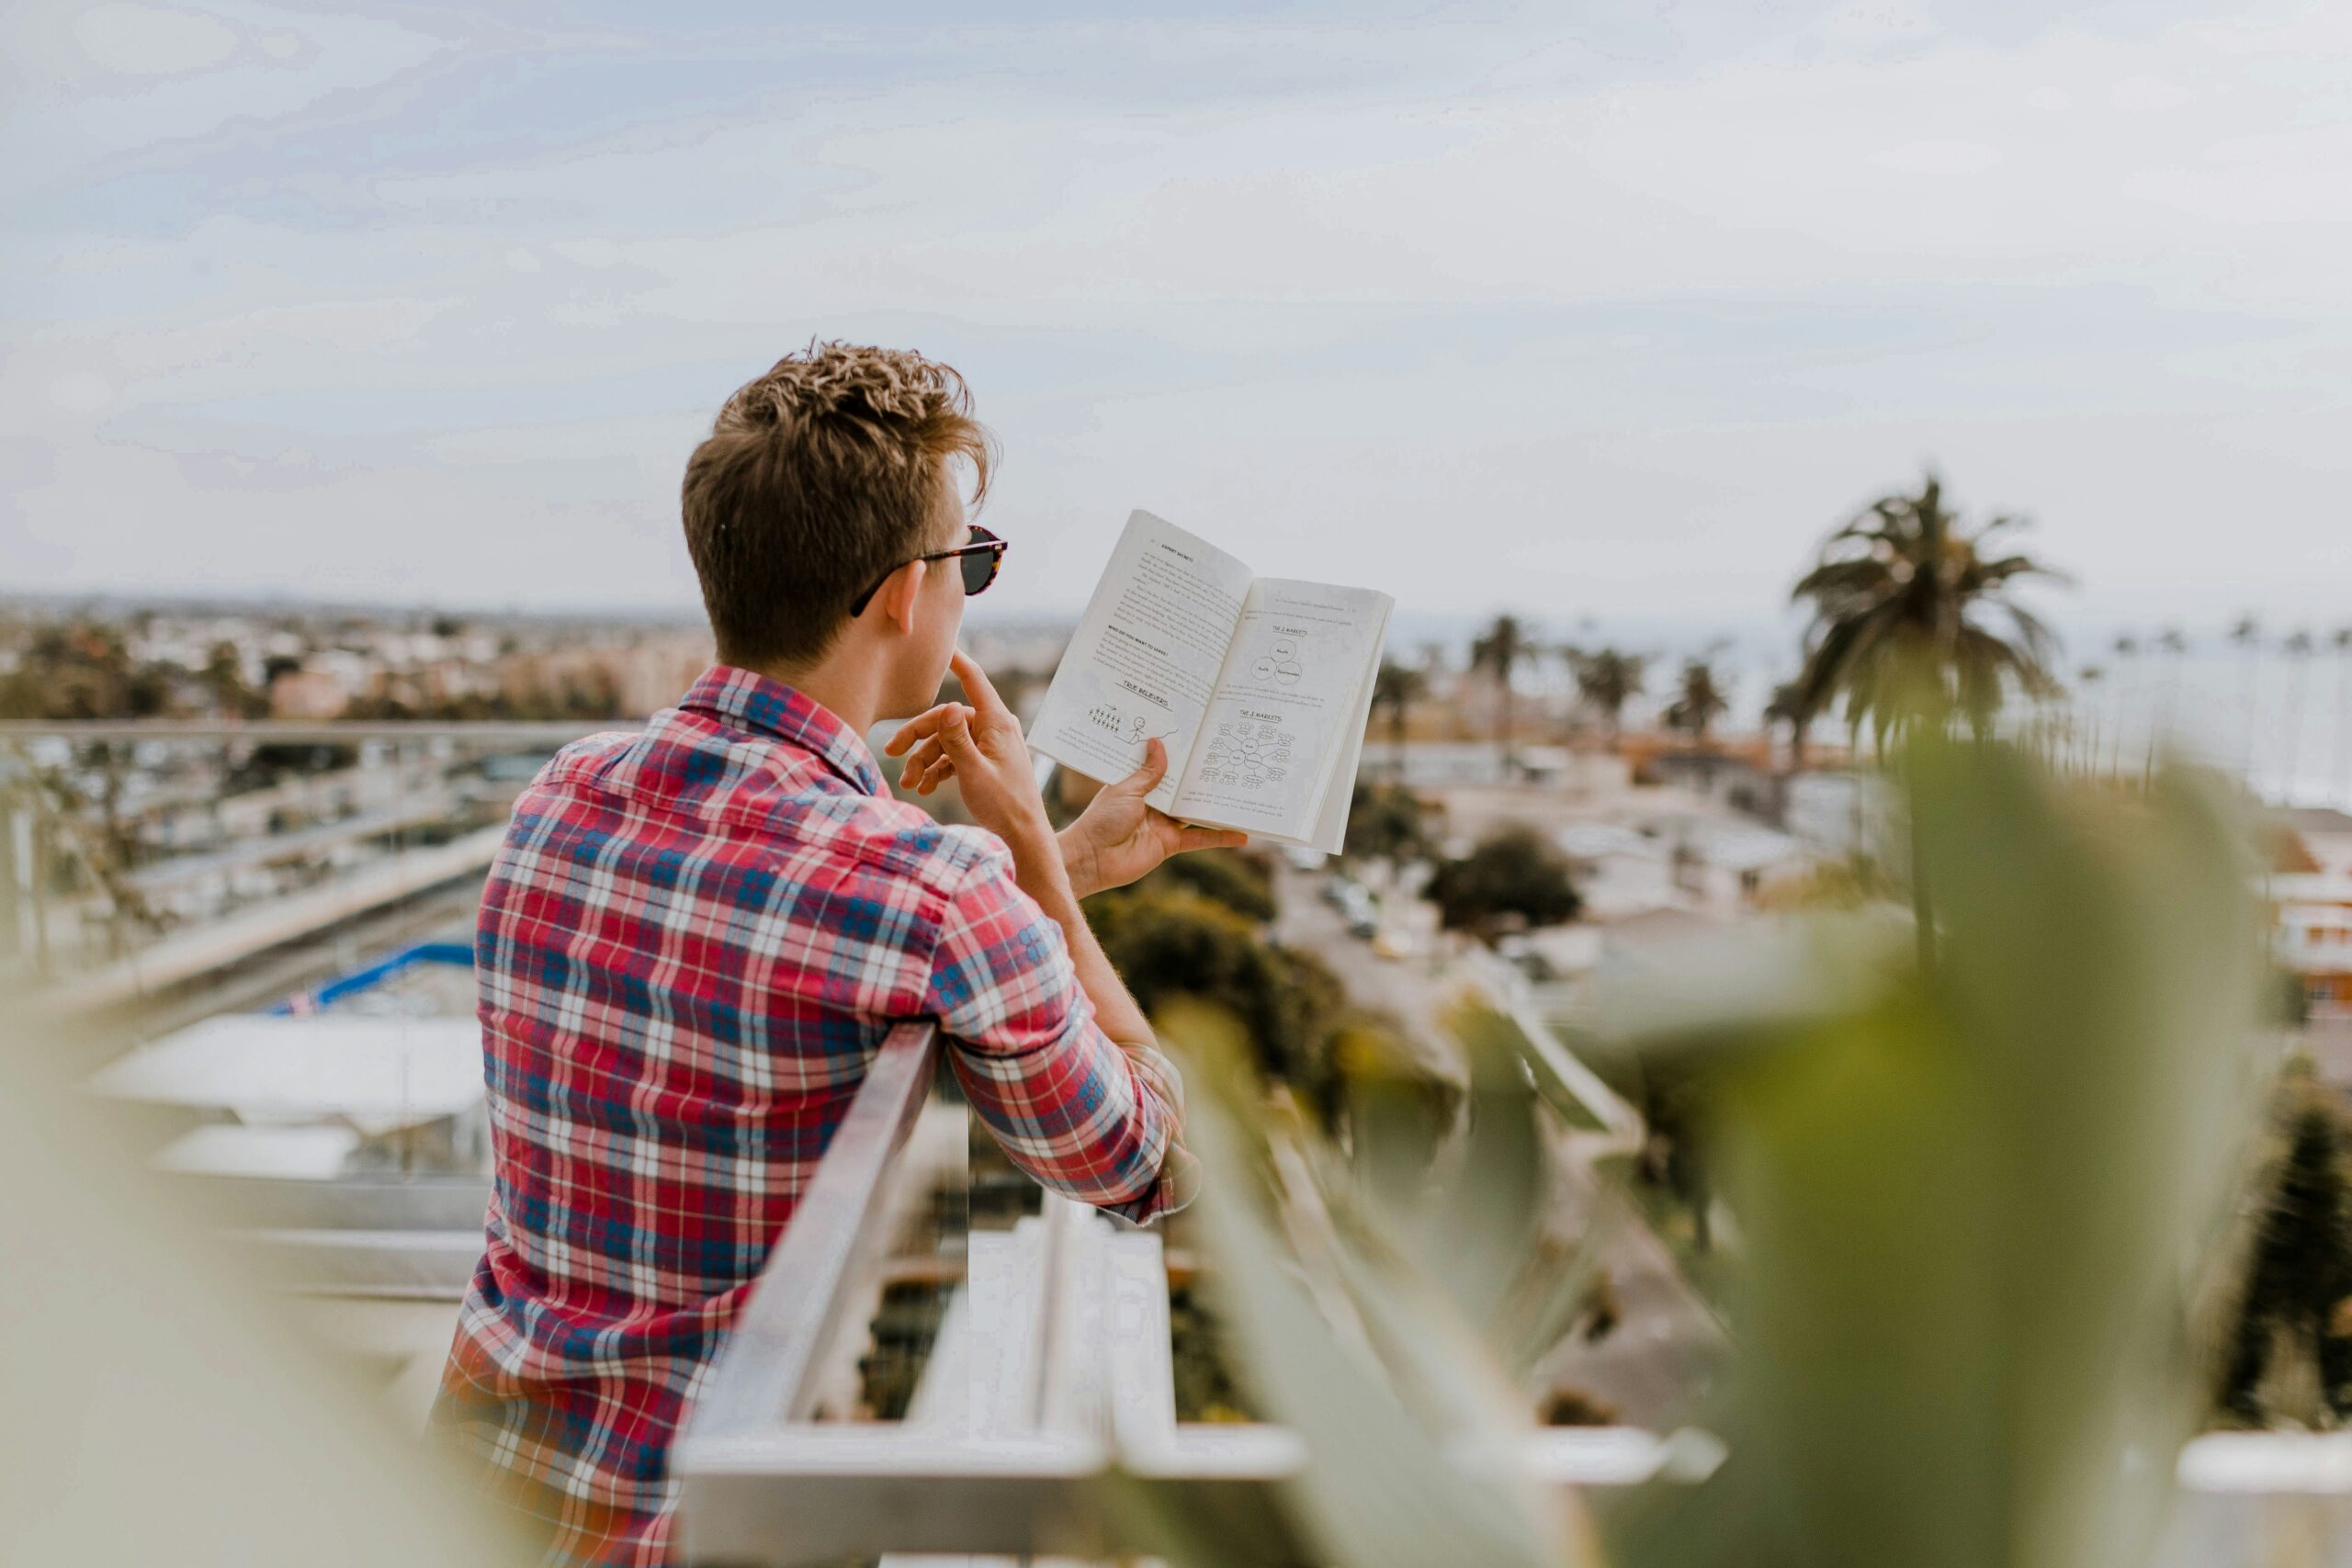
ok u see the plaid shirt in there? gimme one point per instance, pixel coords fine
(691, 944)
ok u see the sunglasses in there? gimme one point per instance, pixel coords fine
(980, 559)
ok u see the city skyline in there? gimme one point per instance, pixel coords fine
(383, 305)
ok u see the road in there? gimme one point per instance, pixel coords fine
(1403, 987)
(1668, 1347)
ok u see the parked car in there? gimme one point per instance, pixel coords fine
(1340, 891)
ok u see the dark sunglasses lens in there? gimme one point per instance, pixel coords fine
(979, 569)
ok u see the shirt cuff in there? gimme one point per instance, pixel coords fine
(1178, 1184)
(1179, 1172)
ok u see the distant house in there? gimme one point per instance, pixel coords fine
(308, 694)
(1732, 867)
(2311, 902)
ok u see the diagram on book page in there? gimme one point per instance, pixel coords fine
(1279, 713)
(1249, 756)
(1277, 665)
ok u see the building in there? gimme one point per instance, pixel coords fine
(308, 694)
(2311, 903)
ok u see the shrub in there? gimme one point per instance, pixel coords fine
(1513, 877)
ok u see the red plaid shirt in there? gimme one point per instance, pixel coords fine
(691, 944)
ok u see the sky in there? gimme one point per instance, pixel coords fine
(1606, 314)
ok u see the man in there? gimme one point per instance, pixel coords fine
(695, 938)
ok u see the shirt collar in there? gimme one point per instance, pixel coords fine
(765, 705)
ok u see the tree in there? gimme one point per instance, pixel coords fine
(2247, 636)
(2173, 643)
(83, 669)
(1234, 878)
(1900, 598)
(1788, 706)
(2342, 643)
(1514, 875)
(2299, 648)
(2127, 661)
(2299, 1279)
(1395, 689)
(2091, 678)
(1697, 701)
(1169, 942)
(1387, 822)
(224, 678)
(1608, 680)
(1498, 653)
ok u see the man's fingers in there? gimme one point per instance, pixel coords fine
(938, 773)
(924, 723)
(1189, 838)
(920, 758)
(956, 736)
(1145, 779)
(976, 685)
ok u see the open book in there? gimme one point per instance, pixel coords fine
(1260, 687)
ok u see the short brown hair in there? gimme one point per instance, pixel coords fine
(817, 479)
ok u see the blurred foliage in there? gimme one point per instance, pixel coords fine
(1983, 1174)
(1514, 877)
(1981, 1201)
(272, 762)
(1173, 941)
(82, 671)
(1205, 1387)
(1395, 689)
(1237, 879)
(1368, 1296)
(1387, 822)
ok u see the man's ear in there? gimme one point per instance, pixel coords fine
(900, 594)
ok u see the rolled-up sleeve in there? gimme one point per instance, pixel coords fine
(1082, 1114)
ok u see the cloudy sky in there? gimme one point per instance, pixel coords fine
(1612, 316)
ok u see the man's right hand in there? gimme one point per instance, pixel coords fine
(980, 747)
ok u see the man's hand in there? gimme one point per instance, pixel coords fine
(1118, 838)
(981, 748)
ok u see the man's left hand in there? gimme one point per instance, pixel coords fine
(1118, 838)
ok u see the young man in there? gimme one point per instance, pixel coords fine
(695, 938)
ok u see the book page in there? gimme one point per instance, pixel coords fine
(1144, 660)
(1339, 791)
(1285, 706)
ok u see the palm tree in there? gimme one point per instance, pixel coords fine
(2091, 677)
(2173, 643)
(1499, 654)
(1571, 655)
(2127, 663)
(1698, 703)
(1788, 706)
(2247, 635)
(2342, 643)
(2298, 648)
(1897, 599)
(1397, 687)
(1608, 680)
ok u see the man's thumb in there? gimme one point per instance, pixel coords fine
(1145, 779)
